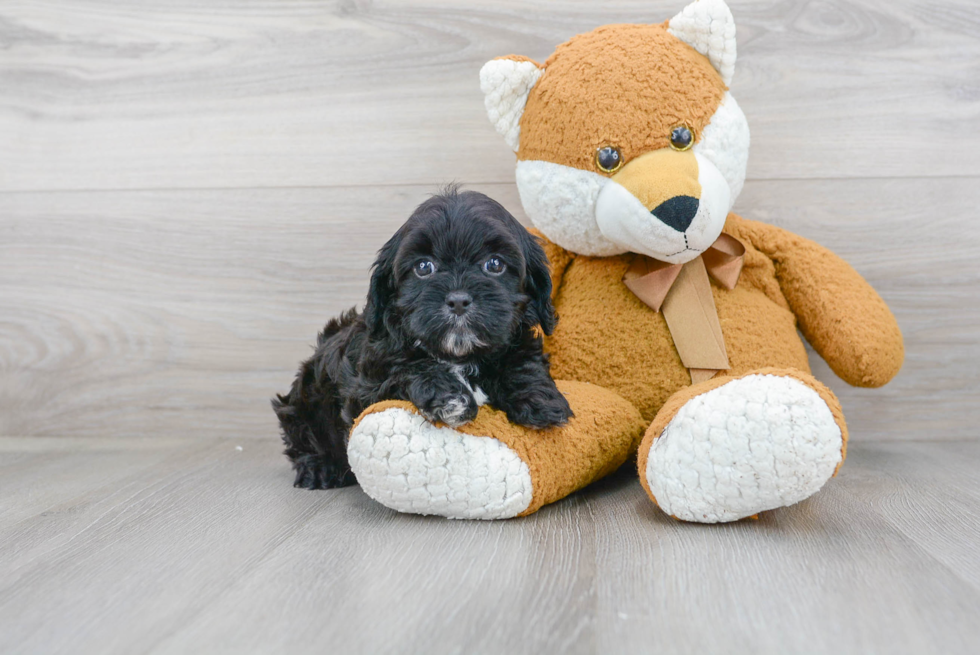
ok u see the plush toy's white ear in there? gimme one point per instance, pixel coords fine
(506, 83)
(708, 27)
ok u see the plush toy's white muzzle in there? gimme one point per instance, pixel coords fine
(677, 237)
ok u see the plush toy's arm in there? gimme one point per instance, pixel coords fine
(558, 259)
(842, 317)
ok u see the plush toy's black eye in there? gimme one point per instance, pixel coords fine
(681, 138)
(608, 159)
(424, 268)
(494, 266)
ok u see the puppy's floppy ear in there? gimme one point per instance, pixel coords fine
(381, 289)
(537, 283)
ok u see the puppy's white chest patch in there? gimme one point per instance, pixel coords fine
(480, 397)
(460, 371)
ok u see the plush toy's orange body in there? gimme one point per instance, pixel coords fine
(678, 319)
(607, 336)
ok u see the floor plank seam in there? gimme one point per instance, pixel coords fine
(239, 574)
(466, 183)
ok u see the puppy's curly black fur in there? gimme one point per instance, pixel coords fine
(450, 323)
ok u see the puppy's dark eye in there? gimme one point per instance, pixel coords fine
(494, 266)
(681, 137)
(608, 159)
(424, 268)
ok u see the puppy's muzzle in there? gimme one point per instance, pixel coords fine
(458, 302)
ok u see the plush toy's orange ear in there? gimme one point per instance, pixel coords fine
(505, 83)
(708, 27)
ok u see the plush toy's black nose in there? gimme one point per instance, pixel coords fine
(678, 212)
(458, 302)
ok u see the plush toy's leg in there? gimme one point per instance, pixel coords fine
(490, 468)
(732, 447)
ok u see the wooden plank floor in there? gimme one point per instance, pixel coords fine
(260, 93)
(189, 189)
(180, 313)
(179, 546)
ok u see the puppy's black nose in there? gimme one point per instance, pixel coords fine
(458, 302)
(677, 212)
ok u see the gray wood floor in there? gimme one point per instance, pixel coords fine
(188, 189)
(181, 545)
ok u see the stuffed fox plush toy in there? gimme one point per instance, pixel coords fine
(677, 338)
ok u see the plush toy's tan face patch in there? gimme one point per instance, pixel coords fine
(625, 86)
(662, 175)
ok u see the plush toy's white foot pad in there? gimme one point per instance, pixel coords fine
(406, 463)
(753, 444)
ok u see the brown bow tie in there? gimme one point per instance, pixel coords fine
(683, 292)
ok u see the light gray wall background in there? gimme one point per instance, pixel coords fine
(189, 189)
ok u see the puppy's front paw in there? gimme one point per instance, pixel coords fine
(540, 411)
(322, 472)
(453, 409)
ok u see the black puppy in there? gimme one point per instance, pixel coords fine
(449, 325)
